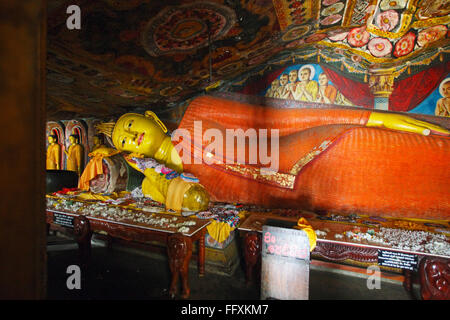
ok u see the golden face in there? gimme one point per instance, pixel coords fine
(137, 133)
(51, 139)
(72, 140)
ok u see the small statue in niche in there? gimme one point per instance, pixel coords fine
(74, 154)
(53, 153)
(98, 142)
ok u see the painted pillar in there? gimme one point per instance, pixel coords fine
(381, 83)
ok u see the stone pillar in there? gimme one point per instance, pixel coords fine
(381, 83)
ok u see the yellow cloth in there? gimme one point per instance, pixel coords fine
(151, 187)
(219, 231)
(100, 197)
(175, 193)
(304, 225)
(95, 166)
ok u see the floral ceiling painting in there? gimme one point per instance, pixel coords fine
(141, 54)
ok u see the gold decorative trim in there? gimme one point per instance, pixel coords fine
(284, 180)
(430, 22)
(309, 157)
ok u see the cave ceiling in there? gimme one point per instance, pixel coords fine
(146, 54)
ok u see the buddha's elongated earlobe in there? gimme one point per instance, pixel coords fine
(151, 114)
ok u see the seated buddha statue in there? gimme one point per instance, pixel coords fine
(74, 155)
(53, 153)
(97, 142)
(334, 159)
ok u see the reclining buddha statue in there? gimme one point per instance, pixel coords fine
(328, 159)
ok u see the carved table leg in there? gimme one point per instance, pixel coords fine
(407, 283)
(179, 249)
(201, 253)
(434, 276)
(83, 236)
(252, 253)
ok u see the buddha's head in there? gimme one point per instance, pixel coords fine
(196, 199)
(136, 133)
(73, 139)
(97, 140)
(52, 139)
(305, 74)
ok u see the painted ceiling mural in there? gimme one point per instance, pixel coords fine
(308, 83)
(139, 54)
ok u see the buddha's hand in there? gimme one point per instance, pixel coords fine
(404, 123)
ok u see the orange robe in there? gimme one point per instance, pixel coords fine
(328, 161)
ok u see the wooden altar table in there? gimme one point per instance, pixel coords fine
(433, 269)
(179, 243)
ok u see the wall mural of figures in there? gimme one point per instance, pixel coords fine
(427, 92)
(306, 82)
(438, 102)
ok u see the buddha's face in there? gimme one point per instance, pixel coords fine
(72, 140)
(51, 140)
(305, 74)
(96, 140)
(137, 133)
